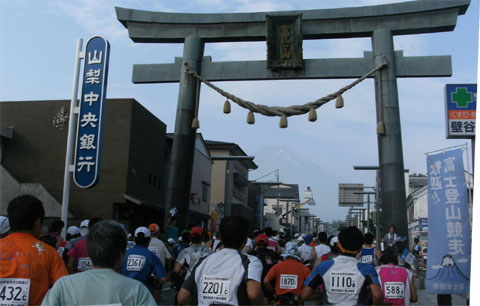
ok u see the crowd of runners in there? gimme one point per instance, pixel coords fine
(99, 263)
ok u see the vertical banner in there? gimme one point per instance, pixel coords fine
(259, 208)
(92, 113)
(449, 242)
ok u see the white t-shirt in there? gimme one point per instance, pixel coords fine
(321, 250)
(306, 252)
(249, 243)
(221, 277)
(158, 248)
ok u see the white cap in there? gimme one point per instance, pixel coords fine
(4, 225)
(144, 230)
(334, 240)
(300, 239)
(73, 230)
(171, 240)
(291, 250)
(84, 223)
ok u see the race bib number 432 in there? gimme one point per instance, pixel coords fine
(394, 290)
(135, 263)
(14, 291)
(215, 288)
(343, 282)
(288, 281)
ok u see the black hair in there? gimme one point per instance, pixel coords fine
(322, 237)
(56, 226)
(388, 257)
(173, 219)
(23, 211)
(233, 231)
(70, 237)
(106, 243)
(186, 237)
(268, 231)
(416, 240)
(394, 228)
(93, 221)
(141, 239)
(351, 239)
(368, 238)
(196, 238)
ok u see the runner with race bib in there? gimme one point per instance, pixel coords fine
(227, 277)
(397, 283)
(289, 276)
(28, 266)
(139, 262)
(343, 280)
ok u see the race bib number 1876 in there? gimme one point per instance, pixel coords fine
(14, 291)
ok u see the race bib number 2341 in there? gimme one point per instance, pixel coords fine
(14, 291)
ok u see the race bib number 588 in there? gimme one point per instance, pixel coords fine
(394, 290)
(14, 291)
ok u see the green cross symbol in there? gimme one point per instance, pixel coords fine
(462, 97)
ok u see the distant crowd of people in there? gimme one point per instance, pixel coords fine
(99, 263)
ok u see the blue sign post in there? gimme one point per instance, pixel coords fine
(91, 115)
(449, 241)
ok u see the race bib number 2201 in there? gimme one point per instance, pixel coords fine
(215, 288)
(14, 291)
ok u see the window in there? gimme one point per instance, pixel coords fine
(205, 187)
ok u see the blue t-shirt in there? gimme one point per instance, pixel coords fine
(367, 255)
(139, 263)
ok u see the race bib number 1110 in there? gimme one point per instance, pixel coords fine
(14, 291)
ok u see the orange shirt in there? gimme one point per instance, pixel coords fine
(28, 260)
(289, 276)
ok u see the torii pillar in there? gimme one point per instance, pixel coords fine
(379, 22)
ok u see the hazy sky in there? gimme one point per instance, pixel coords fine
(37, 49)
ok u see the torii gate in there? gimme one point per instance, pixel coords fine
(379, 22)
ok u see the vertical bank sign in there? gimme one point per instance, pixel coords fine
(91, 115)
(461, 104)
(449, 242)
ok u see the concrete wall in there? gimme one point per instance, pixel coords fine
(201, 176)
(36, 154)
(146, 159)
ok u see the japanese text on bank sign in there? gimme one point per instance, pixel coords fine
(88, 146)
(461, 104)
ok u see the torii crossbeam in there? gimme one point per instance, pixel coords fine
(380, 22)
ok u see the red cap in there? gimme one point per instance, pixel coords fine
(153, 227)
(196, 231)
(261, 239)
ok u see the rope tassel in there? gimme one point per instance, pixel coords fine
(250, 118)
(283, 121)
(226, 107)
(339, 102)
(195, 123)
(380, 128)
(312, 115)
